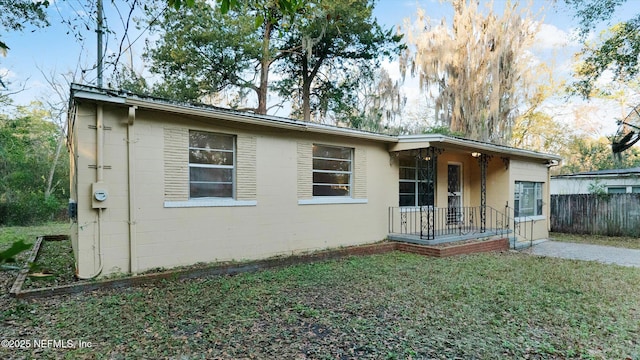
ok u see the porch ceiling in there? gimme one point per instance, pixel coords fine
(409, 146)
(414, 142)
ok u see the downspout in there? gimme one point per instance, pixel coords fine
(550, 164)
(133, 256)
(100, 144)
(99, 178)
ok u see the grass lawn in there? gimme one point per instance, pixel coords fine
(28, 234)
(10, 234)
(394, 305)
(617, 241)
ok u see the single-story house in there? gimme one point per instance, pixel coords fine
(155, 183)
(614, 181)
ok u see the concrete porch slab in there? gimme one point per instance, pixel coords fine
(449, 238)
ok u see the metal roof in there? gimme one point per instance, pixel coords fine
(147, 102)
(396, 143)
(406, 142)
(635, 171)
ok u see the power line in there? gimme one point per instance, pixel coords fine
(126, 30)
(151, 23)
(147, 28)
(100, 56)
(78, 17)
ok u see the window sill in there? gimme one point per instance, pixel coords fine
(529, 218)
(209, 203)
(332, 200)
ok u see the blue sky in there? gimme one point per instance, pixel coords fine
(54, 50)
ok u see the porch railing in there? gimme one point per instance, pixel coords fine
(522, 226)
(427, 222)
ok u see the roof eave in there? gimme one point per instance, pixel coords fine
(405, 141)
(591, 176)
(230, 115)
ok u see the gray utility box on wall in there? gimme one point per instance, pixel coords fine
(99, 195)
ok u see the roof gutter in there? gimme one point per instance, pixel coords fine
(398, 143)
(243, 118)
(92, 95)
(249, 119)
(209, 113)
(595, 176)
(433, 139)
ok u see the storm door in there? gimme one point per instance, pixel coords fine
(454, 188)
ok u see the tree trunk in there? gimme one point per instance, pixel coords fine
(306, 90)
(265, 61)
(49, 190)
(306, 95)
(307, 79)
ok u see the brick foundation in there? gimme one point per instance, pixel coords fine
(452, 250)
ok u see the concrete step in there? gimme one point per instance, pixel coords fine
(523, 244)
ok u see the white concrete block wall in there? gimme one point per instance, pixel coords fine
(273, 168)
(271, 213)
(520, 170)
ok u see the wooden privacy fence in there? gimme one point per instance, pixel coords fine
(596, 214)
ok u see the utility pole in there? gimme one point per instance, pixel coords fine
(99, 32)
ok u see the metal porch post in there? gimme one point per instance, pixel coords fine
(483, 161)
(427, 173)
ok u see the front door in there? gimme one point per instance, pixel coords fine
(454, 181)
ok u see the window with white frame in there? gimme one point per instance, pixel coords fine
(414, 187)
(332, 170)
(528, 198)
(211, 165)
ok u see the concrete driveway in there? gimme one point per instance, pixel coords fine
(603, 254)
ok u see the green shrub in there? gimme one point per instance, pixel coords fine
(29, 208)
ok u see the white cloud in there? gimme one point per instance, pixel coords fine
(607, 77)
(551, 37)
(410, 85)
(392, 68)
(593, 118)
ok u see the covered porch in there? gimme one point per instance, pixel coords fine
(427, 225)
(453, 189)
